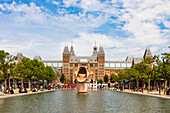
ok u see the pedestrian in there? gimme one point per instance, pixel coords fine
(12, 91)
(2, 88)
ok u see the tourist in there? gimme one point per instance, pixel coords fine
(34, 90)
(25, 90)
(2, 88)
(20, 90)
(12, 91)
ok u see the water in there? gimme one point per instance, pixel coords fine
(69, 101)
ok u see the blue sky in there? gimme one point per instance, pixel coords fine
(123, 27)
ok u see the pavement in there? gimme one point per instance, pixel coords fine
(2, 96)
(151, 94)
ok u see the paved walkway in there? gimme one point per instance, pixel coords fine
(22, 94)
(151, 94)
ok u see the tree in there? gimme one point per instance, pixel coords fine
(62, 78)
(6, 60)
(38, 70)
(164, 66)
(49, 74)
(112, 78)
(148, 67)
(100, 81)
(137, 75)
(106, 79)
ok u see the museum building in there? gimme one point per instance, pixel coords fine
(96, 64)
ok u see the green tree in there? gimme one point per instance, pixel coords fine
(49, 74)
(164, 67)
(148, 68)
(100, 81)
(62, 78)
(6, 60)
(106, 79)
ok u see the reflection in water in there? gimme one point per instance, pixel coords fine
(94, 101)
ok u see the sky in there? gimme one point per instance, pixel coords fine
(123, 27)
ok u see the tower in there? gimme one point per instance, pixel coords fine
(66, 60)
(147, 53)
(95, 50)
(72, 50)
(101, 62)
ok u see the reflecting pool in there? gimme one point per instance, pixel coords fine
(68, 101)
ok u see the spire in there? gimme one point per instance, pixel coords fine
(95, 49)
(66, 50)
(147, 53)
(72, 49)
(101, 50)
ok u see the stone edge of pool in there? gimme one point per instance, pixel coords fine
(22, 94)
(146, 94)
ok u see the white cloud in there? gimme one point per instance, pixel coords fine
(55, 3)
(141, 19)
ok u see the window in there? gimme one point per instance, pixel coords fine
(83, 64)
(45, 64)
(106, 64)
(60, 64)
(91, 65)
(76, 65)
(83, 60)
(123, 64)
(129, 64)
(55, 64)
(112, 64)
(71, 65)
(96, 65)
(49, 64)
(117, 64)
(101, 65)
(65, 66)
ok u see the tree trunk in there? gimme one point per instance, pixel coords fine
(30, 84)
(149, 84)
(165, 86)
(137, 85)
(38, 85)
(5, 84)
(129, 84)
(13, 82)
(43, 84)
(118, 86)
(154, 84)
(21, 82)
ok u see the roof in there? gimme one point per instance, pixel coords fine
(66, 50)
(72, 50)
(137, 60)
(101, 51)
(147, 53)
(129, 58)
(38, 58)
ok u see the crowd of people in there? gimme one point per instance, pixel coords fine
(22, 90)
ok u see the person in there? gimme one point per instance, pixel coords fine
(20, 90)
(25, 90)
(12, 91)
(2, 88)
(33, 90)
